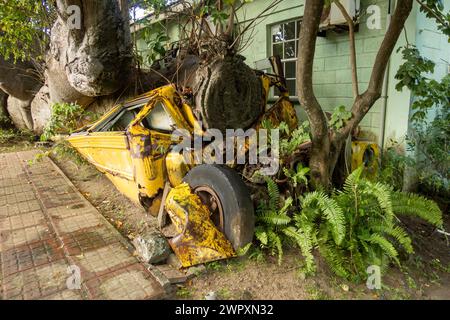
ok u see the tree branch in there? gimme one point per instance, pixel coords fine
(439, 18)
(364, 102)
(241, 33)
(401, 14)
(351, 34)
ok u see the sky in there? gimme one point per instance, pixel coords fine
(140, 13)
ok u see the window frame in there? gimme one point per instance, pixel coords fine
(297, 22)
(106, 126)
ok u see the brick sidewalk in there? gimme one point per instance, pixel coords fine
(48, 227)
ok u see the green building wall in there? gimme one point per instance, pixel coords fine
(433, 45)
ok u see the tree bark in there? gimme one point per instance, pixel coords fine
(41, 110)
(319, 127)
(20, 113)
(19, 79)
(81, 64)
(96, 58)
(228, 94)
(5, 121)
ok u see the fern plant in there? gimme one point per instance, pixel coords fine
(272, 220)
(410, 204)
(352, 228)
(357, 226)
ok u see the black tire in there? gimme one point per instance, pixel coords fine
(237, 206)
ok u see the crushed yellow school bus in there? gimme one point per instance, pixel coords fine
(132, 145)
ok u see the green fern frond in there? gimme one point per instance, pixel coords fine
(304, 241)
(352, 180)
(274, 194)
(274, 219)
(332, 211)
(415, 205)
(402, 238)
(335, 260)
(396, 232)
(244, 250)
(385, 245)
(287, 205)
(383, 195)
(296, 138)
(261, 235)
(276, 242)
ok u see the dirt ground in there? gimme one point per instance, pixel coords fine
(126, 216)
(425, 275)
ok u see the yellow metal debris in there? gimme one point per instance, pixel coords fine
(199, 240)
(176, 168)
(368, 154)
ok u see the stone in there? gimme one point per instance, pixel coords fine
(174, 261)
(152, 246)
(246, 295)
(211, 296)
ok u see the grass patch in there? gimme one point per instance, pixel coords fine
(14, 136)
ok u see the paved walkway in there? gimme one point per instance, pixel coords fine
(50, 234)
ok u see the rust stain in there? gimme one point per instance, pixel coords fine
(199, 240)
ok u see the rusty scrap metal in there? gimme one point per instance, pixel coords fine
(198, 240)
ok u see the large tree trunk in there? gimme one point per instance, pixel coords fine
(19, 79)
(228, 94)
(81, 64)
(96, 59)
(41, 110)
(20, 113)
(320, 150)
(93, 63)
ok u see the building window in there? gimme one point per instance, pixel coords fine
(284, 42)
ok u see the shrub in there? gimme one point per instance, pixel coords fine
(393, 165)
(14, 135)
(429, 140)
(352, 228)
(272, 220)
(65, 118)
(371, 235)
